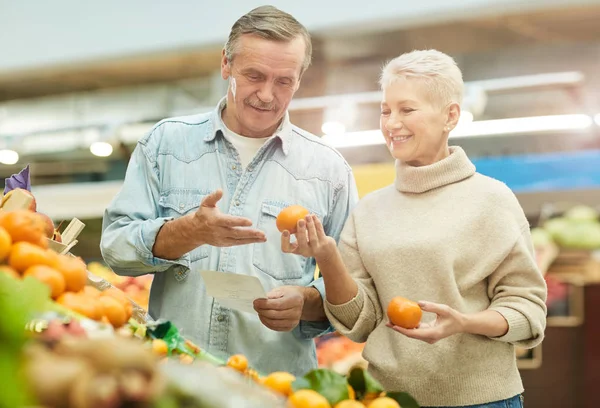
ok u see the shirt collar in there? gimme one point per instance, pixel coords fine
(283, 132)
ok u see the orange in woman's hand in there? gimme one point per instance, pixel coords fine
(288, 218)
(404, 313)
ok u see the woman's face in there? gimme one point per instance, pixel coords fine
(415, 129)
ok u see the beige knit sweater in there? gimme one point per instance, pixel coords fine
(449, 235)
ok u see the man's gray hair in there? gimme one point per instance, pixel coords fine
(272, 24)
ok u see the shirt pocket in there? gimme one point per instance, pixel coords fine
(176, 203)
(268, 257)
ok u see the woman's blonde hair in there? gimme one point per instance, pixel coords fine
(437, 70)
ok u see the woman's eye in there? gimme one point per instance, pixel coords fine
(407, 110)
(385, 113)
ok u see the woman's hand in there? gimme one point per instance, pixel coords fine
(447, 323)
(311, 240)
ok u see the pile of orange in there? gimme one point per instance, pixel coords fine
(24, 252)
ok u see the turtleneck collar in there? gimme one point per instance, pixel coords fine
(452, 169)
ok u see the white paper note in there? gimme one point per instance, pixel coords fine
(233, 291)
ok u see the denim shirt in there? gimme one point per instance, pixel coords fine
(171, 170)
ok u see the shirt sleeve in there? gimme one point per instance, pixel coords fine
(131, 222)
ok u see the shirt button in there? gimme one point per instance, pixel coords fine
(233, 167)
(250, 169)
(182, 206)
(220, 318)
(237, 203)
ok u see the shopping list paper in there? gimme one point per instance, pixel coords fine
(233, 291)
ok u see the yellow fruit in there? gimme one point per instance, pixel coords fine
(186, 359)
(280, 382)
(384, 402)
(307, 399)
(349, 404)
(159, 347)
(351, 393)
(238, 362)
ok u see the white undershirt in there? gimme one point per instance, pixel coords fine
(247, 147)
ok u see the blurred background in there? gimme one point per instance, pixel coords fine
(81, 82)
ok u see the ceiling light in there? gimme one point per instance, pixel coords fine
(597, 119)
(8, 156)
(465, 118)
(333, 128)
(498, 127)
(101, 149)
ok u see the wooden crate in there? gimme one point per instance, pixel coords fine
(529, 359)
(577, 267)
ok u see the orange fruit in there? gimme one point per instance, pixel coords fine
(160, 347)
(384, 402)
(351, 393)
(5, 244)
(84, 305)
(307, 399)
(253, 375)
(113, 310)
(404, 313)
(280, 382)
(25, 254)
(238, 362)
(121, 297)
(349, 403)
(9, 271)
(186, 359)
(74, 271)
(288, 218)
(91, 291)
(50, 276)
(24, 225)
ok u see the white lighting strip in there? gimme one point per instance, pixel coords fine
(534, 124)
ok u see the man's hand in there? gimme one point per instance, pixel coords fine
(282, 309)
(222, 230)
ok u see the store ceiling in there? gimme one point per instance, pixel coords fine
(548, 27)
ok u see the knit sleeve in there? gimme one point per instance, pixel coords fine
(518, 292)
(357, 318)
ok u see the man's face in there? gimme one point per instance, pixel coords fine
(264, 75)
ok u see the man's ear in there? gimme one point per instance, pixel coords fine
(225, 66)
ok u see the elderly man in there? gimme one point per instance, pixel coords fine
(203, 192)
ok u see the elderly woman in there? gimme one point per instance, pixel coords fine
(444, 235)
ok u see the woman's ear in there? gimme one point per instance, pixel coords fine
(453, 116)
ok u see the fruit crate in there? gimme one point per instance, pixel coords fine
(576, 266)
(529, 359)
(567, 311)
